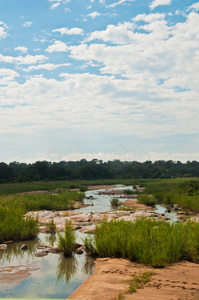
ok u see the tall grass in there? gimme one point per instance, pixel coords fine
(14, 227)
(147, 241)
(29, 202)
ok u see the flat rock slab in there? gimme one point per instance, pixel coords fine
(111, 278)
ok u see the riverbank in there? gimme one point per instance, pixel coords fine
(112, 276)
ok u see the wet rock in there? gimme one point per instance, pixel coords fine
(77, 245)
(80, 250)
(77, 227)
(3, 246)
(24, 247)
(88, 229)
(41, 253)
(41, 246)
(52, 250)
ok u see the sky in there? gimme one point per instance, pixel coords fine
(99, 79)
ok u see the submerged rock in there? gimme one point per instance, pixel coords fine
(3, 246)
(41, 253)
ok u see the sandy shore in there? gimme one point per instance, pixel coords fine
(111, 278)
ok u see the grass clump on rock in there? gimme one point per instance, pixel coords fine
(66, 242)
(147, 241)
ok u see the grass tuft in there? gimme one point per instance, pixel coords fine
(66, 243)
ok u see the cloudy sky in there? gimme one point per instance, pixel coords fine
(106, 79)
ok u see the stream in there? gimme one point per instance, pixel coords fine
(22, 275)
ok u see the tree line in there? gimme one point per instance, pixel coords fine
(96, 169)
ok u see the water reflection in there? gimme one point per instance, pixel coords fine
(13, 251)
(66, 268)
(50, 239)
(89, 265)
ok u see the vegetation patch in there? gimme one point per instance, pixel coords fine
(185, 193)
(138, 281)
(147, 200)
(147, 241)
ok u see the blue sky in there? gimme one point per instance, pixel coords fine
(106, 79)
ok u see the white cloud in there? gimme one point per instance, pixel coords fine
(71, 31)
(48, 67)
(58, 46)
(194, 6)
(149, 18)
(21, 49)
(118, 3)
(7, 75)
(55, 5)
(94, 14)
(121, 34)
(27, 24)
(3, 28)
(156, 3)
(23, 60)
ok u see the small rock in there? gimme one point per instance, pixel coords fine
(41, 253)
(89, 229)
(52, 250)
(77, 245)
(3, 246)
(24, 247)
(79, 251)
(41, 246)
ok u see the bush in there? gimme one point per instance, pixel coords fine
(66, 243)
(114, 202)
(147, 200)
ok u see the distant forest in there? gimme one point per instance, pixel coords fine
(96, 169)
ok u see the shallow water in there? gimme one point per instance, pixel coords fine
(51, 276)
(101, 203)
